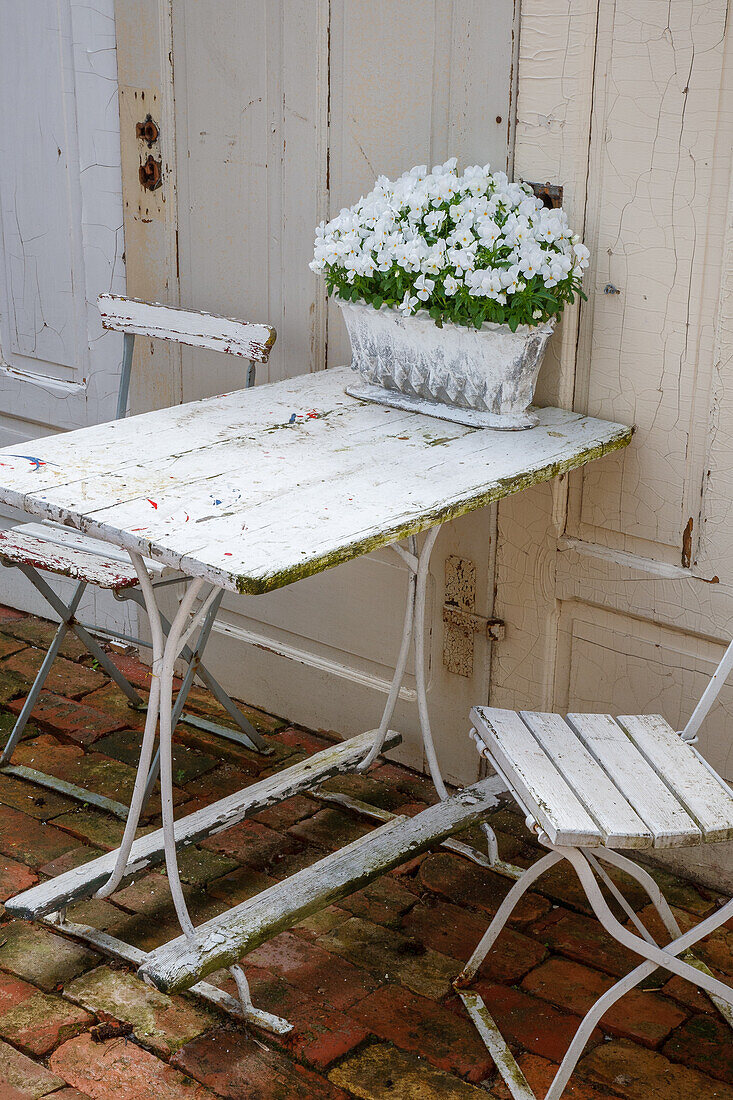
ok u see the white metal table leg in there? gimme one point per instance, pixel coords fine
(418, 562)
(166, 648)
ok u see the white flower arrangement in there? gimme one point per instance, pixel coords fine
(466, 249)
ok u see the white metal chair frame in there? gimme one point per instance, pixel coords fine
(133, 317)
(587, 862)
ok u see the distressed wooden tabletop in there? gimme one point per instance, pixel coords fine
(258, 488)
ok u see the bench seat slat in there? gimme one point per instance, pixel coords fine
(227, 938)
(636, 779)
(700, 792)
(620, 825)
(539, 784)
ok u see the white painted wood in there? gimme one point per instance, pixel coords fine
(258, 488)
(70, 554)
(187, 326)
(535, 779)
(697, 788)
(226, 939)
(83, 881)
(312, 103)
(69, 538)
(18, 548)
(620, 825)
(60, 215)
(636, 779)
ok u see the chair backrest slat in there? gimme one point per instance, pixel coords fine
(187, 326)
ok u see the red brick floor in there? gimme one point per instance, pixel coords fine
(366, 982)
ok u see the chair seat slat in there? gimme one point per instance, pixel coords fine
(702, 795)
(620, 825)
(539, 784)
(617, 754)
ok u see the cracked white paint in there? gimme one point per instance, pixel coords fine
(629, 107)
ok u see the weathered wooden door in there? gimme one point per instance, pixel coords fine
(616, 589)
(60, 222)
(273, 114)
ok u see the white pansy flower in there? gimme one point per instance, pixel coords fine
(408, 304)
(473, 228)
(424, 287)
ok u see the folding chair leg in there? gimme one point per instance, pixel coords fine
(502, 915)
(654, 956)
(48, 660)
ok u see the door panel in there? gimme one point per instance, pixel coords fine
(61, 240)
(281, 112)
(617, 590)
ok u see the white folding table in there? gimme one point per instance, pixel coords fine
(251, 491)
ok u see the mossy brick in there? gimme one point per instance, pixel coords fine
(320, 1035)
(41, 1022)
(313, 970)
(75, 857)
(9, 644)
(318, 924)
(117, 708)
(284, 814)
(81, 722)
(94, 826)
(240, 885)
(29, 1079)
(148, 893)
(367, 789)
(117, 1070)
(392, 957)
(29, 841)
(12, 686)
(690, 896)
(234, 752)
(330, 829)
(455, 932)
(7, 722)
(383, 901)
(641, 1015)
(704, 1043)
(137, 672)
(163, 1024)
(456, 879)
(417, 1024)
(583, 939)
(380, 1071)
(40, 957)
(238, 1067)
(197, 866)
(14, 878)
(40, 633)
(66, 678)
(637, 1073)
(534, 1024)
(30, 799)
(13, 991)
(225, 779)
(294, 737)
(540, 1072)
(188, 763)
(251, 843)
(201, 701)
(413, 785)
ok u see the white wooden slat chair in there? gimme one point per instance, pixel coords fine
(591, 786)
(44, 547)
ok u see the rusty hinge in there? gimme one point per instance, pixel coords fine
(460, 621)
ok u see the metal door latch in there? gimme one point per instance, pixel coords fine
(460, 621)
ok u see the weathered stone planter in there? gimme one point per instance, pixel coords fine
(482, 377)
